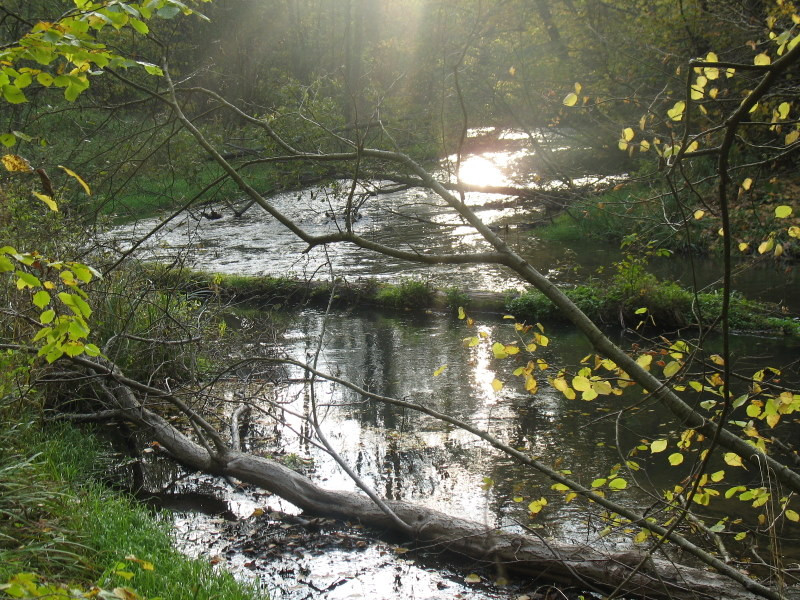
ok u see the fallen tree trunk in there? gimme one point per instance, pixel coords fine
(548, 561)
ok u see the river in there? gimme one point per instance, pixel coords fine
(401, 454)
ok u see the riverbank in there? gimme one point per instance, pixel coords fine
(62, 527)
(633, 298)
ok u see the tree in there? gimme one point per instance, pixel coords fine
(211, 452)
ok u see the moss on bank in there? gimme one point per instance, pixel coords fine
(618, 300)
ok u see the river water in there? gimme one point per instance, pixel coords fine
(402, 454)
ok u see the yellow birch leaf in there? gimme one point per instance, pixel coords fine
(733, 459)
(497, 385)
(672, 368)
(747, 183)
(72, 173)
(644, 146)
(47, 200)
(792, 515)
(773, 420)
(762, 59)
(581, 383)
(627, 134)
(658, 446)
(781, 212)
(766, 246)
(794, 231)
(744, 247)
(571, 99)
(792, 137)
(699, 214)
(16, 163)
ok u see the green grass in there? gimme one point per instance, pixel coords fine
(59, 521)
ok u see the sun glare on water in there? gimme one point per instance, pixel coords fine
(481, 170)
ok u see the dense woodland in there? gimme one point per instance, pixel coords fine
(117, 110)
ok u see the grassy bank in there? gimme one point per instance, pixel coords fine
(630, 295)
(61, 523)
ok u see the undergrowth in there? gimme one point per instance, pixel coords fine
(61, 528)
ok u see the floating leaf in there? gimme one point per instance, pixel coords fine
(781, 212)
(675, 459)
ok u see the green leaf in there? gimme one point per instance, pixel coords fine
(672, 368)
(599, 482)
(781, 212)
(13, 94)
(658, 446)
(41, 299)
(792, 515)
(571, 99)
(93, 350)
(675, 459)
(25, 280)
(618, 484)
(8, 139)
(47, 317)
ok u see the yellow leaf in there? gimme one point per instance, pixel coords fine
(733, 459)
(461, 314)
(537, 505)
(766, 246)
(772, 420)
(658, 446)
(718, 476)
(675, 459)
(47, 200)
(747, 183)
(578, 87)
(781, 212)
(699, 214)
(559, 487)
(571, 99)
(439, 371)
(692, 147)
(644, 146)
(15, 163)
(783, 110)
(676, 112)
(72, 173)
(627, 134)
(644, 361)
(762, 59)
(497, 385)
(499, 350)
(473, 578)
(581, 384)
(794, 232)
(672, 368)
(744, 246)
(570, 497)
(792, 515)
(717, 359)
(792, 137)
